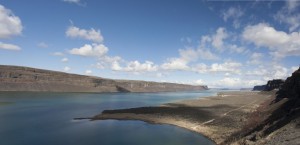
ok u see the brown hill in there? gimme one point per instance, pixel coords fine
(16, 78)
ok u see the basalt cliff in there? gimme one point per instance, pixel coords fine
(271, 85)
(16, 78)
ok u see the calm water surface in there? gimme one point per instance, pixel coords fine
(46, 119)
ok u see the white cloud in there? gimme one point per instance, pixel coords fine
(199, 82)
(9, 46)
(230, 66)
(236, 49)
(97, 50)
(72, 1)
(92, 34)
(42, 45)
(289, 15)
(230, 82)
(218, 38)
(10, 25)
(206, 54)
(112, 62)
(58, 54)
(186, 56)
(269, 72)
(64, 60)
(233, 13)
(226, 67)
(88, 72)
(136, 66)
(233, 82)
(280, 43)
(294, 68)
(255, 58)
(115, 66)
(175, 64)
(66, 69)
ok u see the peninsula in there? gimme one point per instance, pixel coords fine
(267, 117)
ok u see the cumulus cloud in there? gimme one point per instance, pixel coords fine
(112, 62)
(218, 38)
(226, 67)
(97, 50)
(186, 56)
(175, 64)
(92, 34)
(66, 69)
(255, 58)
(289, 15)
(136, 66)
(88, 72)
(9, 46)
(233, 13)
(280, 43)
(269, 72)
(234, 82)
(199, 82)
(64, 59)
(236, 49)
(10, 25)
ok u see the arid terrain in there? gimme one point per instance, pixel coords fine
(216, 117)
(15, 78)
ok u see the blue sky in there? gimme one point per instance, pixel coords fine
(216, 43)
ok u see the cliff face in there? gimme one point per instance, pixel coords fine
(282, 122)
(259, 88)
(274, 84)
(291, 88)
(14, 78)
(271, 85)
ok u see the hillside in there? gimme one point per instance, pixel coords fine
(16, 78)
(277, 121)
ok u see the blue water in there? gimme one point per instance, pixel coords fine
(47, 119)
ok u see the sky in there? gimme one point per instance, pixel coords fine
(218, 43)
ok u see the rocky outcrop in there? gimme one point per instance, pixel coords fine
(271, 85)
(259, 88)
(15, 78)
(291, 88)
(282, 122)
(274, 84)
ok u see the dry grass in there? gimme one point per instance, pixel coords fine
(258, 116)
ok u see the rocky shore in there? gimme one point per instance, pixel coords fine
(217, 117)
(245, 118)
(16, 78)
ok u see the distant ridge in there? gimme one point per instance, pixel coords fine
(18, 78)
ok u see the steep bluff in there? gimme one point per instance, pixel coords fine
(271, 85)
(276, 121)
(16, 78)
(274, 84)
(259, 88)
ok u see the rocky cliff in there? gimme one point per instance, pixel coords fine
(274, 84)
(259, 88)
(277, 122)
(271, 85)
(15, 78)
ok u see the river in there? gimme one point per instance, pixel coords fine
(43, 118)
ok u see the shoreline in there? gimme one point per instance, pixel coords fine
(215, 117)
